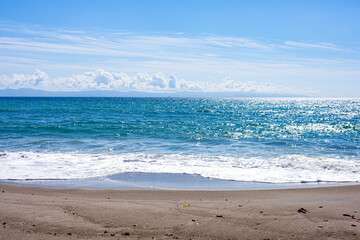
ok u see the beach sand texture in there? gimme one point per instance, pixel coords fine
(47, 213)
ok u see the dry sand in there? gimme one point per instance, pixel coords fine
(47, 213)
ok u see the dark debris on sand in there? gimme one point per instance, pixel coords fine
(302, 210)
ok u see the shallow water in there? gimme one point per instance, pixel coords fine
(167, 181)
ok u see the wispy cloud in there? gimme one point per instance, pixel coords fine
(162, 47)
(237, 42)
(120, 40)
(327, 46)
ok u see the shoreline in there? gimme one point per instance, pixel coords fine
(29, 212)
(166, 181)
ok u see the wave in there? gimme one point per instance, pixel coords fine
(282, 169)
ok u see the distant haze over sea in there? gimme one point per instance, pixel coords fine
(28, 92)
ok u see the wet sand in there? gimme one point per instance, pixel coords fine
(28, 212)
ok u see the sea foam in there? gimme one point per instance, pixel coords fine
(282, 169)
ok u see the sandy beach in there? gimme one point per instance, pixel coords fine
(28, 212)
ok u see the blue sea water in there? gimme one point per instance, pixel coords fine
(274, 140)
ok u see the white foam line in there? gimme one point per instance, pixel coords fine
(283, 169)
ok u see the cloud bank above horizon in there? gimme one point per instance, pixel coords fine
(141, 82)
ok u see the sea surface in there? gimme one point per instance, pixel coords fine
(272, 140)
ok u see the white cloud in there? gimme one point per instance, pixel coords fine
(172, 81)
(35, 80)
(157, 82)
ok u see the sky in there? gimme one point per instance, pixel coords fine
(308, 48)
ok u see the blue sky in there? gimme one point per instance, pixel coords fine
(294, 47)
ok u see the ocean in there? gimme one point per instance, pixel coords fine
(268, 140)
